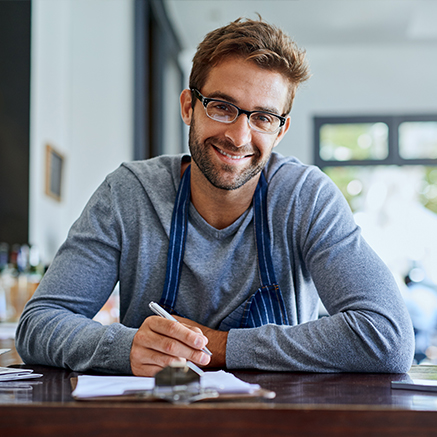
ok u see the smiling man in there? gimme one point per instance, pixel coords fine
(237, 241)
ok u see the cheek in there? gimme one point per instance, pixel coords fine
(205, 130)
(266, 146)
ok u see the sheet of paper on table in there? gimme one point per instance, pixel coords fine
(95, 386)
(12, 374)
(416, 384)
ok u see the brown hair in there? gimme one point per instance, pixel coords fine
(254, 40)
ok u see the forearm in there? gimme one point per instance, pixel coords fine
(346, 342)
(60, 338)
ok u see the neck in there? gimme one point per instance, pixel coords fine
(220, 208)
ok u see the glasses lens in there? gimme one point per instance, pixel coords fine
(221, 111)
(264, 122)
(227, 113)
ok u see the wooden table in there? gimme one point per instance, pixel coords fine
(306, 405)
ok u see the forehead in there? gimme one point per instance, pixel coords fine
(247, 85)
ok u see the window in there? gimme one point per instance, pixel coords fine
(370, 140)
(354, 141)
(418, 139)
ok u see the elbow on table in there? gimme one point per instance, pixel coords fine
(27, 341)
(397, 355)
(21, 342)
(398, 362)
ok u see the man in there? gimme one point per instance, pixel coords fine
(236, 241)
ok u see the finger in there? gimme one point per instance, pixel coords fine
(147, 362)
(174, 348)
(161, 335)
(178, 331)
(161, 360)
(155, 344)
(194, 328)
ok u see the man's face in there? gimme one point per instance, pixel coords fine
(229, 155)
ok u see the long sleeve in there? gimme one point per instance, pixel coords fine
(56, 327)
(368, 328)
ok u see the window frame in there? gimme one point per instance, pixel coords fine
(392, 121)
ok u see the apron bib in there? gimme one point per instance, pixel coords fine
(266, 305)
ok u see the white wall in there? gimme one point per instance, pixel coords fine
(361, 80)
(81, 104)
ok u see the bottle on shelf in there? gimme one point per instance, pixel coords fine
(20, 273)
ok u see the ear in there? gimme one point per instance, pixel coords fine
(283, 131)
(186, 109)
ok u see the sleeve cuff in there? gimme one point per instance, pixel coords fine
(237, 354)
(119, 347)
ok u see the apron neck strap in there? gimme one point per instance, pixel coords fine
(178, 236)
(262, 234)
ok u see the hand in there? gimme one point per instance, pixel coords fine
(159, 342)
(216, 344)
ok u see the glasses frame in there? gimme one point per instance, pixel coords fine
(205, 100)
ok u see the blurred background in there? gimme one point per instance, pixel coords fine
(87, 84)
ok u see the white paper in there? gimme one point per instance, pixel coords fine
(12, 374)
(91, 386)
(8, 370)
(416, 384)
(225, 382)
(19, 376)
(95, 386)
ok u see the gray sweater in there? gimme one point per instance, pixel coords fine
(318, 251)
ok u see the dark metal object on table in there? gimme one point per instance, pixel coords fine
(180, 385)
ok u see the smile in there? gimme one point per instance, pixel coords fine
(236, 157)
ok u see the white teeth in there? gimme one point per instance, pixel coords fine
(231, 156)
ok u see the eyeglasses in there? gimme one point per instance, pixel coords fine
(225, 112)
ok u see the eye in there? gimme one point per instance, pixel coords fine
(221, 106)
(261, 117)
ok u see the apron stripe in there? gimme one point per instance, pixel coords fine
(178, 234)
(267, 272)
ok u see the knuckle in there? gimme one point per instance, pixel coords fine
(146, 324)
(169, 347)
(168, 360)
(173, 329)
(157, 359)
(140, 337)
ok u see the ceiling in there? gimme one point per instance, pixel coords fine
(314, 22)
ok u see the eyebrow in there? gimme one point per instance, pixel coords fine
(223, 96)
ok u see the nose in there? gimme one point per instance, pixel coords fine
(239, 131)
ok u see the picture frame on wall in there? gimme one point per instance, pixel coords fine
(54, 169)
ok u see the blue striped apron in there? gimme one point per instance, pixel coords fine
(266, 305)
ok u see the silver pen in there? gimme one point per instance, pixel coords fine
(163, 313)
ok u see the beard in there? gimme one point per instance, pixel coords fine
(223, 176)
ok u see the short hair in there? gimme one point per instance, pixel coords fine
(253, 40)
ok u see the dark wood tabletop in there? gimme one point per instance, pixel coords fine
(306, 404)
